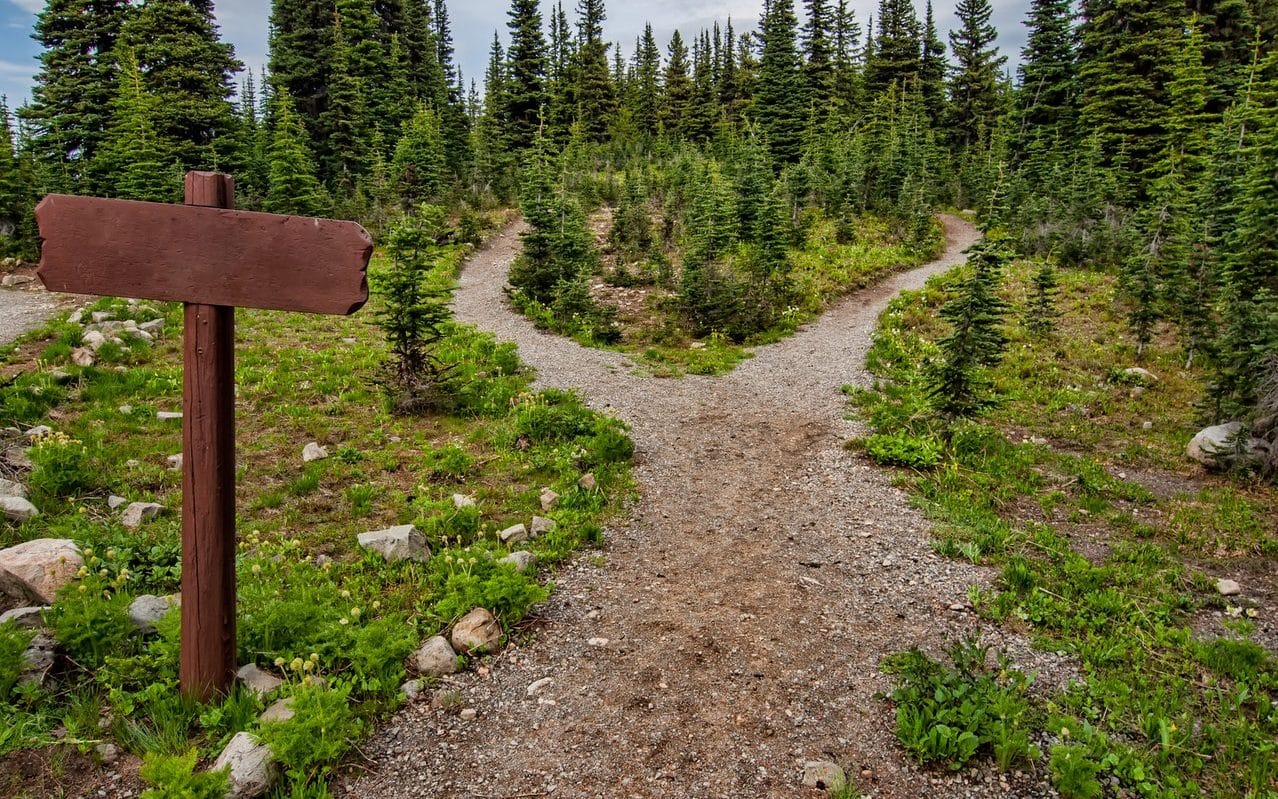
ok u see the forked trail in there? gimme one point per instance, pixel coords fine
(765, 573)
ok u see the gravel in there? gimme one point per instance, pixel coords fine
(21, 311)
(745, 602)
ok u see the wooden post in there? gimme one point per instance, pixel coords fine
(208, 657)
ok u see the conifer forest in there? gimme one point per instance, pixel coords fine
(690, 201)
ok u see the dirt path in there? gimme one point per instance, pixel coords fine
(765, 573)
(22, 310)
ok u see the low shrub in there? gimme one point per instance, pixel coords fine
(899, 448)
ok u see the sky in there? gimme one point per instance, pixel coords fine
(243, 23)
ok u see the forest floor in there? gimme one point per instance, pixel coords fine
(731, 630)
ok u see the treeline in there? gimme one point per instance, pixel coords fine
(1138, 136)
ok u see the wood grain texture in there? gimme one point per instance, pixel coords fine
(207, 255)
(207, 659)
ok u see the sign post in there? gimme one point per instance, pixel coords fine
(213, 259)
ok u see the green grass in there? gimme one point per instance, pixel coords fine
(1049, 488)
(300, 378)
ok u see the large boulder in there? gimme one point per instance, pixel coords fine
(257, 680)
(1225, 446)
(402, 542)
(38, 569)
(477, 631)
(249, 765)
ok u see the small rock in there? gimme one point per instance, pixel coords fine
(107, 753)
(29, 617)
(38, 659)
(513, 534)
(60, 376)
(1147, 426)
(549, 499)
(402, 542)
(148, 609)
(597, 642)
(83, 356)
(249, 765)
(824, 775)
(1139, 375)
(138, 512)
(435, 658)
(99, 317)
(477, 631)
(1136, 392)
(541, 525)
(168, 416)
(697, 345)
(154, 327)
(114, 501)
(10, 281)
(76, 317)
(175, 461)
(9, 488)
(412, 689)
(17, 509)
(38, 569)
(93, 339)
(462, 501)
(279, 711)
(587, 482)
(521, 560)
(18, 458)
(258, 681)
(540, 685)
(38, 430)
(1227, 587)
(468, 714)
(313, 452)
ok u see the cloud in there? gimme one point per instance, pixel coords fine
(34, 6)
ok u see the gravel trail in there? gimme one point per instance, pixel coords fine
(763, 575)
(22, 310)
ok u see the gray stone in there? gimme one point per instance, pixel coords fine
(412, 689)
(38, 659)
(60, 376)
(402, 542)
(10, 281)
(1227, 587)
(76, 317)
(468, 714)
(18, 509)
(597, 642)
(154, 327)
(38, 430)
(521, 560)
(1138, 375)
(114, 501)
(435, 658)
(462, 501)
(258, 681)
(279, 711)
(477, 631)
(93, 339)
(549, 499)
(18, 458)
(175, 461)
(541, 525)
(168, 416)
(313, 452)
(99, 317)
(138, 512)
(83, 356)
(250, 766)
(538, 686)
(107, 753)
(38, 569)
(1146, 425)
(587, 482)
(29, 617)
(1223, 446)
(824, 775)
(513, 534)
(9, 488)
(148, 609)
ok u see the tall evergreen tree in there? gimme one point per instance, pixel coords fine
(646, 86)
(779, 109)
(895, 56)
(15, 193)
(526, 91)
(676, 87)
(420, 166)
(818, 48)
(294, 187)
(1045, 97)
(596, 97)
(71, 101)
(974, 85)
(345, 118)
(932, 68)
(134, 163)
(301, 40)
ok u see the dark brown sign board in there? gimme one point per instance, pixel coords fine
(213, 259)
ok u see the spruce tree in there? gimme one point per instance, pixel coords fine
(526, 91)
(847, 56)
(778, 108)
(818, 48)
(895, 56)
(345, 119)
(974, 85)
(596, 96)
(932, 69)
(960, 385)
(1041, 313)
(71, 100)
(420, 166)
(645, 88)
(134, 163)
(294, 187)
(677, 88)
(15, 193)
(1045, 96)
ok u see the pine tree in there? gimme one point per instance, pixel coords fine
(345, 119)
(974, 86)
(15, 193)
(677, 88)
(646, 86)
(818, 47)
(294, 187)
(703, 112)
(134, 163)
(895, 56)
(596, 97)
(847, 55)
(420, 165)
(1041, 313)
(960, 386)
(1045, 97)
(779, 109)
(71, 99)
(932, 68)
(526, 91)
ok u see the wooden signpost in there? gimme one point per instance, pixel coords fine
(213, 259)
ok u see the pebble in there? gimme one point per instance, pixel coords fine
(598, 642)
(468, 714)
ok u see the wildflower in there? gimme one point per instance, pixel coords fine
(102, 572)
(110, 553)
(355, 613)
(84, 572)
(279, 662)
(343, 621)
(346, 594)
(314, 657)
(377, 605)
(308, 665)
(88, 552)
(296, 665)
(257, 568)
(82, 589)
